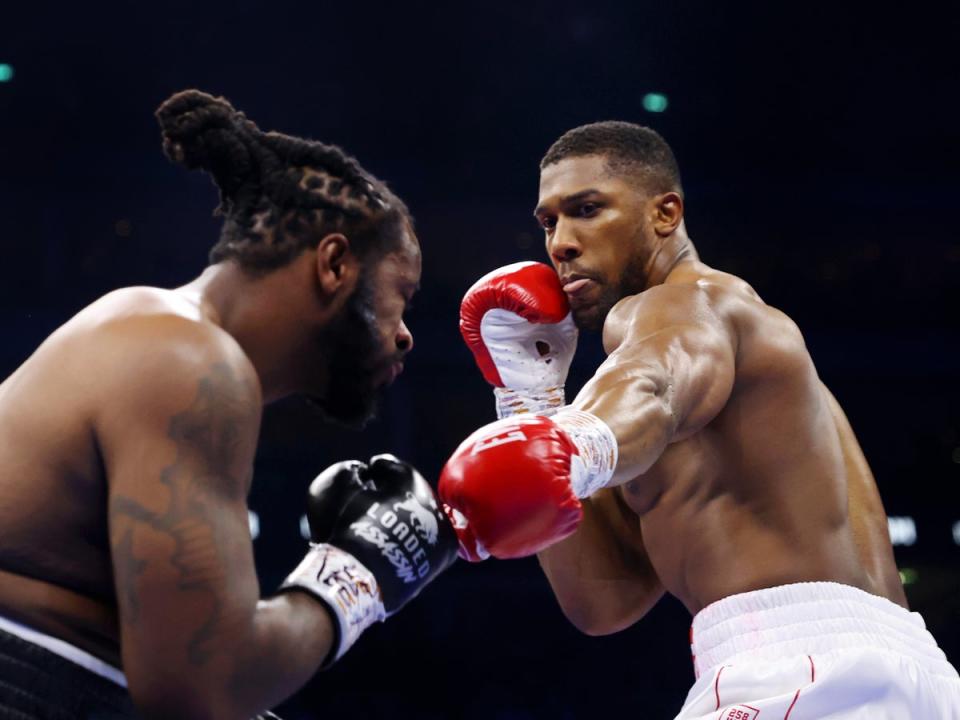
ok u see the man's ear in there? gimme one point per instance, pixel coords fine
(667, 213)
(337, 266)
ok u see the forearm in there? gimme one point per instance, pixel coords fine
(515, 486)
(261, 662)
(638, 414)
(601, 575)
(292, 635)
(670, 370)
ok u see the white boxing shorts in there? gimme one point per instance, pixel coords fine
(816, 650)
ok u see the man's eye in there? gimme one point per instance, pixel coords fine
(547, 222)
(589, 209)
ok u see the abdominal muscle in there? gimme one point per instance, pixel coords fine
(724, 552)
(714, 525)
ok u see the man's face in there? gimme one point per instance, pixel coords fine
(366, 344)
(596, 234)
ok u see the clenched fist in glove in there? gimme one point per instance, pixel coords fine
(378, 537)
(517, 322)
(514, 486)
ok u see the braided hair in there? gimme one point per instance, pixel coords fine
(278, 194)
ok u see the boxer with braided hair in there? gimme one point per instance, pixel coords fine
(127, 584)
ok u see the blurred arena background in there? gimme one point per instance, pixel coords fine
(819, 147)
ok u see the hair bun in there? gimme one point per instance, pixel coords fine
(206, 132)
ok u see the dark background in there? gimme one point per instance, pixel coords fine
(819, 150)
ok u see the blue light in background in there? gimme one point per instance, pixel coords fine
(655, 102)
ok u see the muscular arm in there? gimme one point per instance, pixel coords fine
(669, 372)
(868, 519)
(178, 440)
(601, 574)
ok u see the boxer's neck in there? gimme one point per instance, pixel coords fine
(265, 313)
(667, 254)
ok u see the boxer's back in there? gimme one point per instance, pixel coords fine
(759, 496)
(55, 568)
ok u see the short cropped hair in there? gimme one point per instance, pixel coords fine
(629, 148)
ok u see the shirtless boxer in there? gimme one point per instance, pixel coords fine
(705, 458)
(127, 443)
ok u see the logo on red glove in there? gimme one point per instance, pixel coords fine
(497, 440)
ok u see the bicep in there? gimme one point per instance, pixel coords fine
(660, 387)
(178, 459)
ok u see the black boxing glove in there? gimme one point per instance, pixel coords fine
(378, 536)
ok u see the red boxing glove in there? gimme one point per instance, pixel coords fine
(512, 488)
(516, 321)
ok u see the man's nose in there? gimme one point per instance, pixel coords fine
(404, 338)
(563, 246)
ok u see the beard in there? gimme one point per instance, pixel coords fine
(352, 347)
(632, 281)
(592, 317)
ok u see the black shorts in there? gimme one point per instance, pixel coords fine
(36, 684)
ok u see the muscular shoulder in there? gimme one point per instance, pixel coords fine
(699, 300)
(152, 354)
(155, 326)
(768, 340)
(767, 337)
(710, 302)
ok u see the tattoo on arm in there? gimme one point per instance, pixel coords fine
(210, 468)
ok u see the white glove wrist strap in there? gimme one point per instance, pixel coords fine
(345, 586)
(518, 402)
(593, 468)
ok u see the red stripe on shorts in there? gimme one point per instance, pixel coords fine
(813, 675)
(790, 709)
(716, 686)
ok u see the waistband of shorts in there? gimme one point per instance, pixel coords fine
(809, 618)
(64, 650)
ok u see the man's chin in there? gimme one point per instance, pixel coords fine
(590, 318)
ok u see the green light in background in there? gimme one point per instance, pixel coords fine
(655, 102)
(6, 72)
(908, 576)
